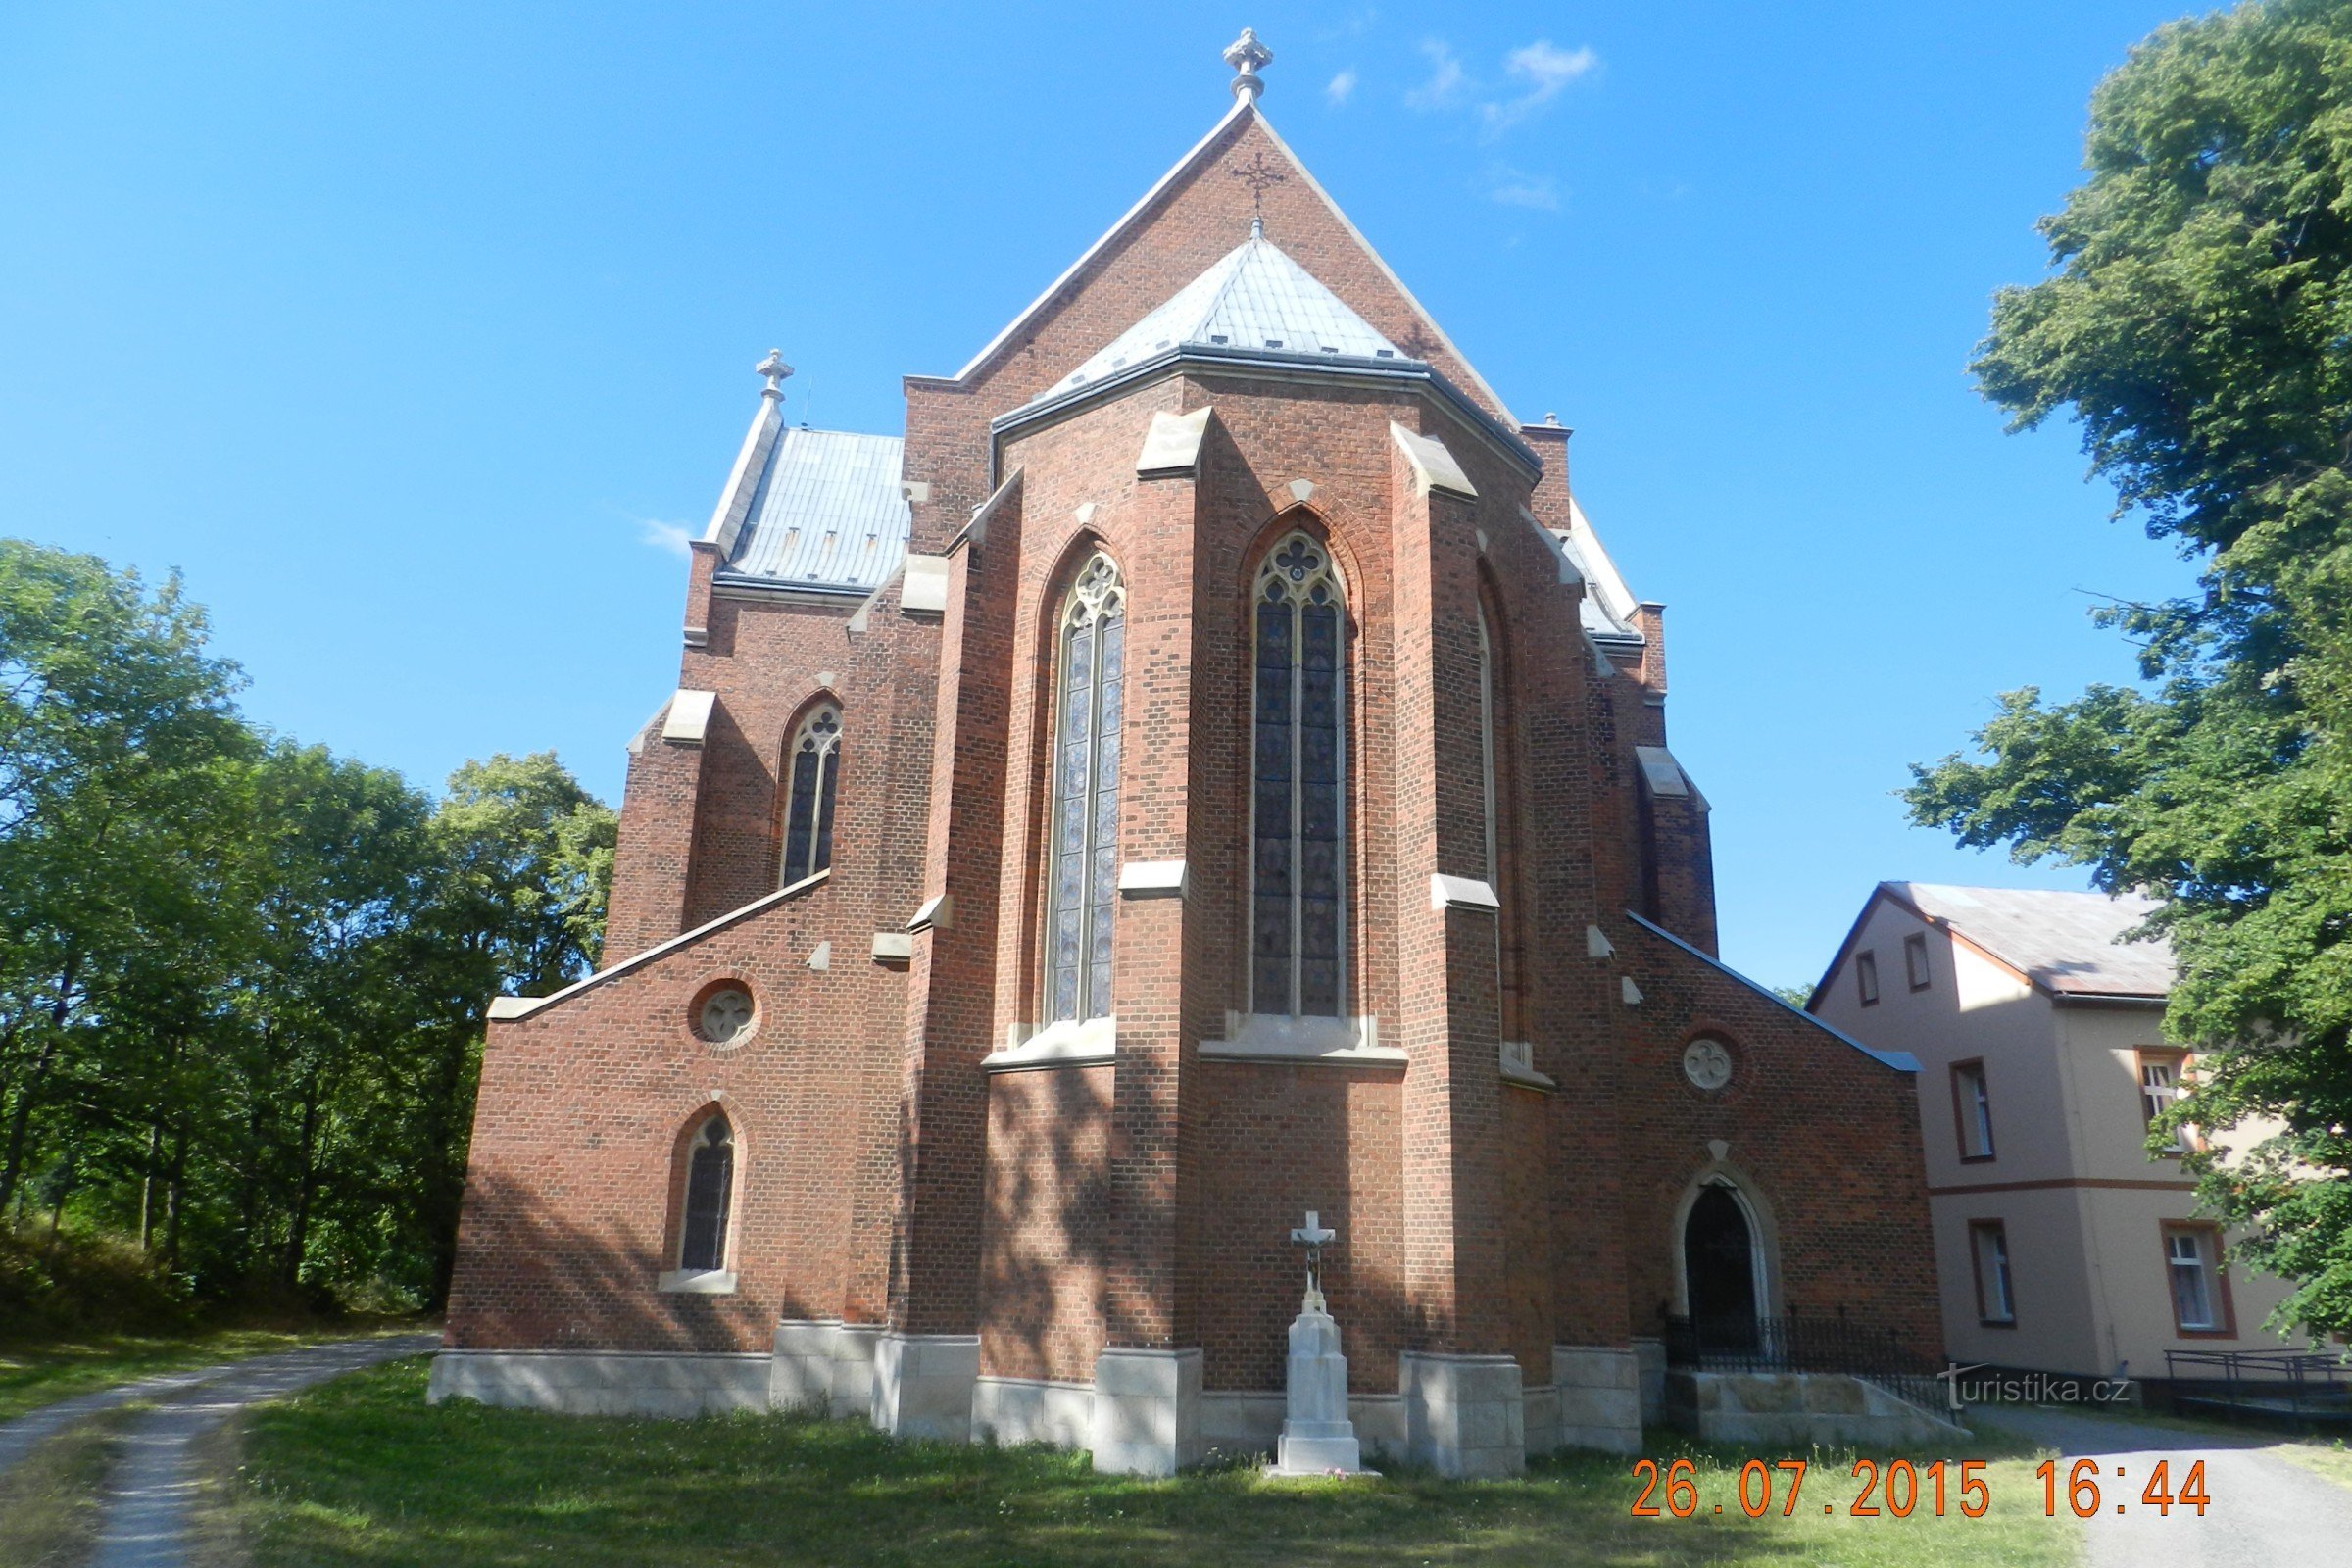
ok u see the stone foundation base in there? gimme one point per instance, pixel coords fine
(1144, 1414)
(603, 1383)
(1795, 1409)
(1464, 1416)
(1147, 1411)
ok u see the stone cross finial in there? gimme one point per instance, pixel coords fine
(1246, 55)
(1313, 1236)
(775, 369)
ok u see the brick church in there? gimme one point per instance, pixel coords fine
(1207, 769)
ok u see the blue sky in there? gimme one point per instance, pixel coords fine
(414, 333)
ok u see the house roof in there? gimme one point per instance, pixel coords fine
(2068, 944)
(826, 514)
(1254, 302)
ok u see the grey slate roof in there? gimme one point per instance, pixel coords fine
(2063, 942)
(827, 514)
(1253, 300)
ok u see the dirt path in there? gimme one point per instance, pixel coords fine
(2266, 1510)
(148, 1494)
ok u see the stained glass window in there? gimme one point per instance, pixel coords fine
(1083, 869)
(710, 1189)
(1297, 829)
(813, 766)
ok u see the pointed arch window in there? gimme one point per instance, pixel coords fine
(813, 768)
(1297, 819)
(709, 1193)
(1083, 871)
(1486, 743)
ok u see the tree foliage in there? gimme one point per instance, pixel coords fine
(243, 981)
(2198, 326)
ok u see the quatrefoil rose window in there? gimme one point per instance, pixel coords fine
(725, 1015)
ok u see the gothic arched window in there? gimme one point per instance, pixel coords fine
(1297, 815)
(1486, 744)
(709, 1190)
(1083, 871)
(812, 768)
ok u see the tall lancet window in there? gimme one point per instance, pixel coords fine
(1297, 826)
(709, 1193)
(1486, 742)
(812, 766)
(1084, 873)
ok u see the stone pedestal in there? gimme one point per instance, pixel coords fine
(923, 1385)
(1464, 1416)
(1318, 1437)
(1146, 1414)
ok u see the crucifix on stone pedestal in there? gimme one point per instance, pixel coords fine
(1318, 1437)
(1313, 1236)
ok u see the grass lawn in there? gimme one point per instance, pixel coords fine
(37, 1374)
(362, 1472)
(49, 1503)
(2332, 1459)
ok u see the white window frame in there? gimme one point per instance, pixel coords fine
(2197, 1263)
(1993, 1272)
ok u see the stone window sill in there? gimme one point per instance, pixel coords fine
(1310, 1042)
(1088, 1043)
(697, 1282)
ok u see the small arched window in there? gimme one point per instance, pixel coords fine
(710, 1191)
(1083, 871)
(813, 768)
(1298, 821)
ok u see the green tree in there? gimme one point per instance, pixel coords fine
(2198, 326)
(120, 747)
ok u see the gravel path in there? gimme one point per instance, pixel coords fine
(147, 1495)
(18, 1437)
(2265, 1510)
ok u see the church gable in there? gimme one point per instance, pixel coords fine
(1182, 228)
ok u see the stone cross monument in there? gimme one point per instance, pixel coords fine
(1318, 1437)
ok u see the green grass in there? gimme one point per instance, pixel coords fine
(39, 1374)
(362, 1471)
(2330, 1458)
(49, 1504)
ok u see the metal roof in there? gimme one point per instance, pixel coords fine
(2066, 942)
(1254, 299)
(827, 514)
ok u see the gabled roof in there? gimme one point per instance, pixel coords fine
(1255, 301)
(2069, 944)
(826, 514)
(1228, 127)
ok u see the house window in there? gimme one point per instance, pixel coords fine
(1989, 1249)
(2193, 1261)
(1083, 869)
(2160, 1087)
(1915, 960)
(814, 767)
(709, 1190)
(1971, 1110)
(1296, 816)
(1866, 977)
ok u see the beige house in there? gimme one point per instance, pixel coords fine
(2062, 1244)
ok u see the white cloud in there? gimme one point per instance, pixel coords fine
(1341, 88)
(671, 538)
(1446, 78)
(1546, 70)
(1513, 187)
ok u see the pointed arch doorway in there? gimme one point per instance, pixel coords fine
(1721, 1268)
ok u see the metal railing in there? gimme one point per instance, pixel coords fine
(2307, 1385)
(1807, 1344)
